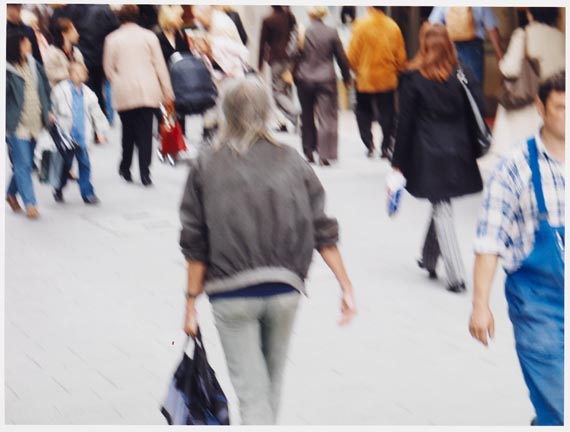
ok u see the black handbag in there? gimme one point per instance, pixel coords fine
(192, 83)
(43, 172)
(483, 135)
(195, 396)
(64, 144)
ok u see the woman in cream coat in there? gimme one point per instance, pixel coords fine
(545, 44)
(62, 52)
(135, 66)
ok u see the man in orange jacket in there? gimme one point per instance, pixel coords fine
(377, 55)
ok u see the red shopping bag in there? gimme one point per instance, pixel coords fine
(171, 137)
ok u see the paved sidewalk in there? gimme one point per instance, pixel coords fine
(94, 307)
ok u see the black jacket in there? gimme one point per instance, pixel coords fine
(435, 144)
(181, 45)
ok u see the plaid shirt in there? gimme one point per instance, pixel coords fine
(509, 216)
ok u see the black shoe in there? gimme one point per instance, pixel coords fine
(91, 200)
(533, 422)
(456, 288)
(146, 181)
(310, 158)
(370, 152)
(324, 162)
(58, 196)
(431, 273)
(126, 175)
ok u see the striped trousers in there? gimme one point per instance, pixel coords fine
(441, 239)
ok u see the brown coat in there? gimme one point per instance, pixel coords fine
(135, 66)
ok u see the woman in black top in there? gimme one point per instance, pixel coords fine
(172, 38)
(435, 145)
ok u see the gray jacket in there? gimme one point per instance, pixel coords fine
(15, 94)
(254, 218)
(321, 47)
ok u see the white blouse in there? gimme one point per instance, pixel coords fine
(545, 44)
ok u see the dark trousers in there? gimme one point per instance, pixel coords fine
(378, 107)
(319, 100)
(95, 82)
(137, 130)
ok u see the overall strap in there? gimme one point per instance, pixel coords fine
(536, 180)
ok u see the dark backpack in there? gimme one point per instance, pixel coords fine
(194, 89)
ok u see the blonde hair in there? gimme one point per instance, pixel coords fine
(246, 107)
(30, 19)
(317, 12)
(169, 16)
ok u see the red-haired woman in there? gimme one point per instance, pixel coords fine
(435, 148)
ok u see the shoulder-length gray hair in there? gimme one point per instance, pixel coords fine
(246, 107)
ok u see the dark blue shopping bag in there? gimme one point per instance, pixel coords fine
(194, 395)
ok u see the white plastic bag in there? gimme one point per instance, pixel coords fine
(43, 142)
(395, 184)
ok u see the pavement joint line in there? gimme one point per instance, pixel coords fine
(119, 349)
(95, 393)
(58, 410)
(13, 392)
(118, 413)
(61, 385)
(34, 361)
(107, 379)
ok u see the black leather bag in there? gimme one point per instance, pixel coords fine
(194, 88)
(483, 136)
(195, 396)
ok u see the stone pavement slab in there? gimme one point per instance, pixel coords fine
(94, 308)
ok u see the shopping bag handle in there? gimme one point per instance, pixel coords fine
(197, 340)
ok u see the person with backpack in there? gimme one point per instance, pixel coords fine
(467, 27)
(172, 40)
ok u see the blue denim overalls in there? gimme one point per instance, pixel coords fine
(535, 294)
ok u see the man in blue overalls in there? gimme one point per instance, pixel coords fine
(522, 221)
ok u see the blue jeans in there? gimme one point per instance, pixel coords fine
(85, 186)
(109, 101)
(472, 55)
(22, 155)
